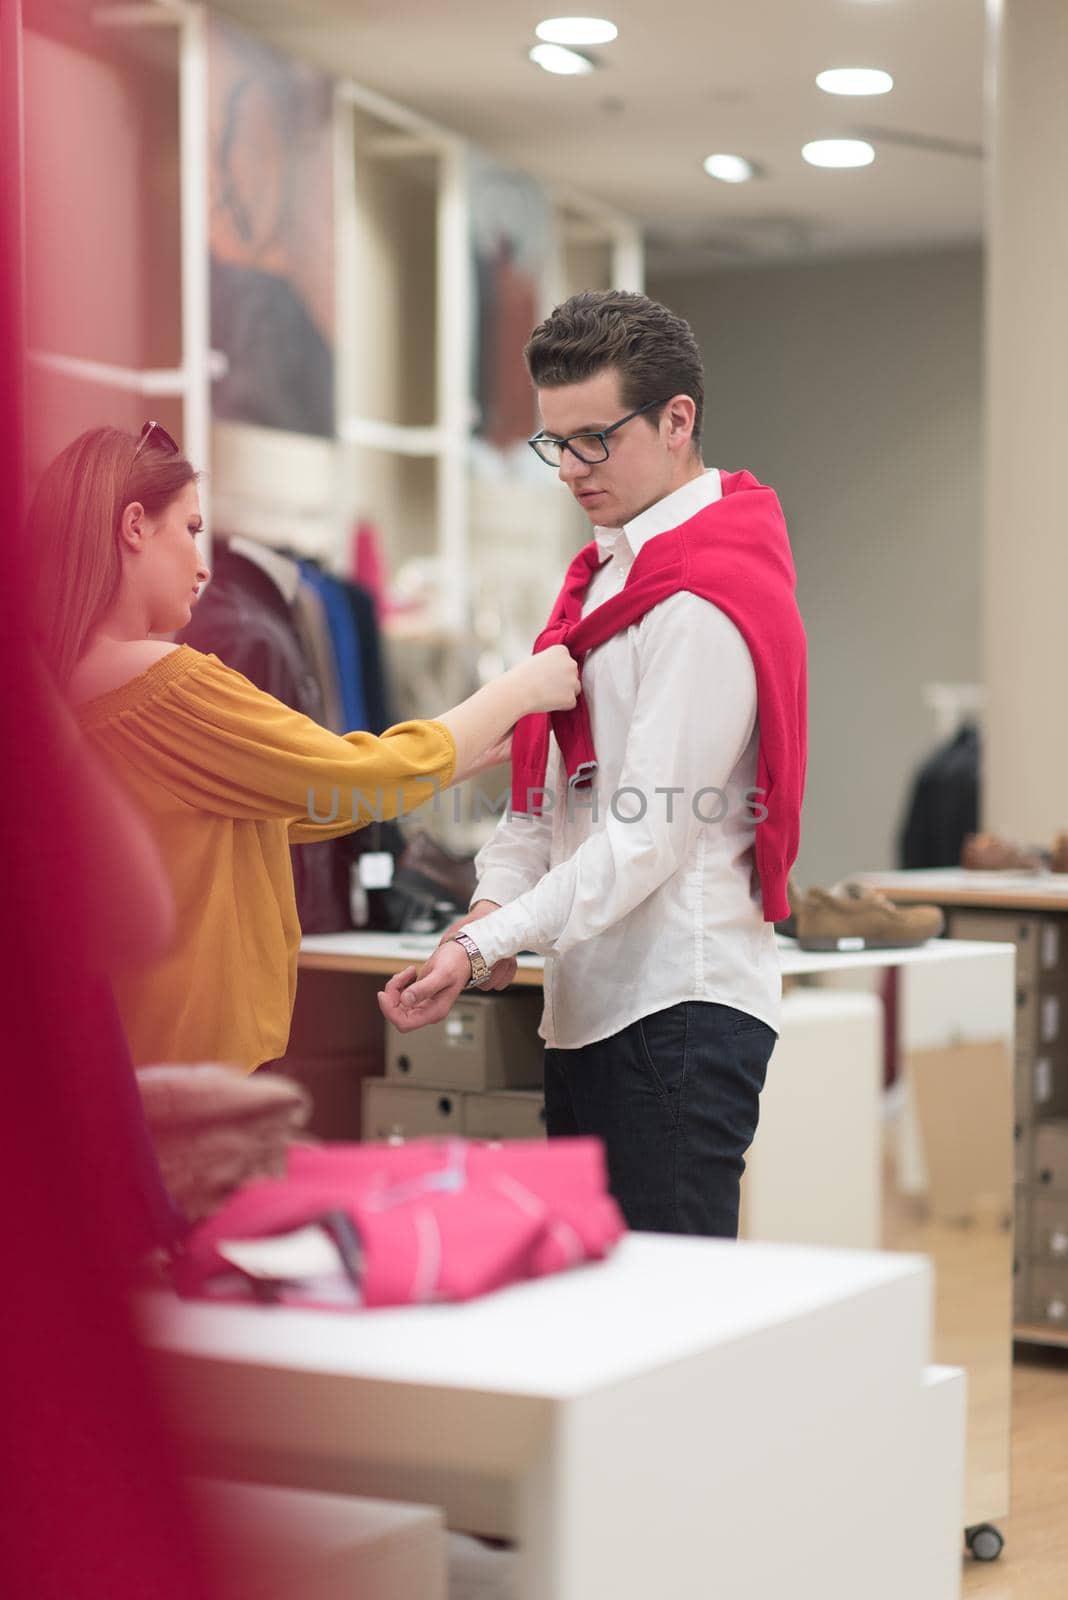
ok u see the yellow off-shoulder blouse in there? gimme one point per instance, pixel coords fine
(228, 778)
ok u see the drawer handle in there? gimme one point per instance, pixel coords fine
(404, 1064)
(445, 1106)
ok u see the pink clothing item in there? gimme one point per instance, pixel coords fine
(369, 564)
(433, 1220)
(735, 553)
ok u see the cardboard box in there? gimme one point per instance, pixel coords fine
(278, 1544)
(488, 1041)
(507, 1114)
(963, 1099)
(409, 1111)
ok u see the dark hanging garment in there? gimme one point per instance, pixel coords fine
(372, 666)
(244, 619)
(342, 625)
(943, 805)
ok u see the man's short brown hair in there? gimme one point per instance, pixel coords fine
(653, 350)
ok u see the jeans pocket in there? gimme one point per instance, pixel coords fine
(746, 1025)
(662, 1047)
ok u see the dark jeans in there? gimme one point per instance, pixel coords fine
(675, 1099)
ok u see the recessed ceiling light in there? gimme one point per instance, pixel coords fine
(839, 153)
(729, 169)
(555, 58)
(577, 30)
(855, 80)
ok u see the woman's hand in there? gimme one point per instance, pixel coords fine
(549, 680)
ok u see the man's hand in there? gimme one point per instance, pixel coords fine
(410, 1002)
(502, 972)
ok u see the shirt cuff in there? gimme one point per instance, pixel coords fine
(497, 936)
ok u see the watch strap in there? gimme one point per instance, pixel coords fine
(480, 971)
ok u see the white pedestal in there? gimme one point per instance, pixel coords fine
(285, 1544)
(691, 1417)
(813, 1173)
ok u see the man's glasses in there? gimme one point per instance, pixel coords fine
(589, 448)
(157, 433)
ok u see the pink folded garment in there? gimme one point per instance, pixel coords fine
(433, 1220)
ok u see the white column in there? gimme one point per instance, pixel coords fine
(1026, 759)
(453, 382)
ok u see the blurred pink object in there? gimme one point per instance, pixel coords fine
(429, 1220)
(369, 567)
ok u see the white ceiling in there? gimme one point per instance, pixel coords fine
(685, 78)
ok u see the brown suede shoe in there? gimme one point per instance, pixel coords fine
(986, 852)
(863, 919)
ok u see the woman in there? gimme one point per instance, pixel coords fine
(227, 776)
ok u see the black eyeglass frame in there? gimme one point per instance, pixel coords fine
(146, 433)
(587, 433)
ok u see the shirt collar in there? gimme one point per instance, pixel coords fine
(675, 509)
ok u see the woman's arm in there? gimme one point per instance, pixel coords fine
(216, 742)
(548, 681)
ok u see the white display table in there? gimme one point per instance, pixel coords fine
(689, 1418)
(377, 953)
(836, 1161)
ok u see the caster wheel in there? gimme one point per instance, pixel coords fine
(984, 1541)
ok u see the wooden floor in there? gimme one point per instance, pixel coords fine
(1034, 1563)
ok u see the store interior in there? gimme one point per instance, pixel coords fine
(311, 239)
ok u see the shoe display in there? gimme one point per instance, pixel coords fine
(987, 852)
(1058, 856)
(859, 918)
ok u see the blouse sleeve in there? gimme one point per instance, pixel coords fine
(216, 742)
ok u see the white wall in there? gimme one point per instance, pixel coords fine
(854, 387)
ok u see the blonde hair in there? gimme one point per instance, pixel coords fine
(73, 529)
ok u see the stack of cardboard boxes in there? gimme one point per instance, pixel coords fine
(477, 1074)
(1040, 1287)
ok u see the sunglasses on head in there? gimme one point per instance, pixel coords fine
(157, 433)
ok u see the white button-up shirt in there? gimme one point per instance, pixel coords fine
(639, 898)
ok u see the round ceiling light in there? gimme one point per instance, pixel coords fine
(855, 80)
(577, 30)
(556, 58)
(729, 169)
(839, 153)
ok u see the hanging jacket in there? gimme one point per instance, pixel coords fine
(242, 617)
(943, 803)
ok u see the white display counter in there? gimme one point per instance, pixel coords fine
(689, 1417)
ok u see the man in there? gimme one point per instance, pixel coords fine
(671, 805)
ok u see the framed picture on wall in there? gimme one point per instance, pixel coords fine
(511, 234)
(272, 235)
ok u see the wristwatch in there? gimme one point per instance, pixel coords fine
(479, 970)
